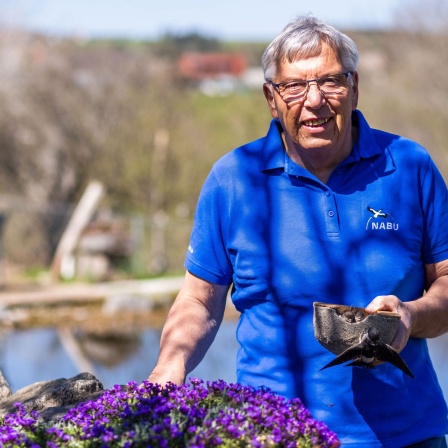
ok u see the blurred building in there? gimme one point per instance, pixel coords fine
(201, 66)
(215, 73)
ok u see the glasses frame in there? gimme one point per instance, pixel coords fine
(280, 85)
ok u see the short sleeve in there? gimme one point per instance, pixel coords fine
(435, 210)
(206, 255)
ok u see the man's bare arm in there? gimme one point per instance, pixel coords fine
(431, 311)
(189, 330)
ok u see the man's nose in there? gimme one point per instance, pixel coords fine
(314, 96)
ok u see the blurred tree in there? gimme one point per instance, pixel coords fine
(63, 107)
(72, 111)
(406, 92)
(172, 45)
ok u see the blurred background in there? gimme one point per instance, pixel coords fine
(144, 98)
(111, 115)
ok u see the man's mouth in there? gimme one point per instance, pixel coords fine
(316, 122)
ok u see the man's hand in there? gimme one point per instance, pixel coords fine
(165, 377)
(395, 305)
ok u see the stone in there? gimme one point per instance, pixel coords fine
(5, 390)
(53, 399)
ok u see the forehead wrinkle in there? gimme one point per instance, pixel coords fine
(310, 50)
(324, 57)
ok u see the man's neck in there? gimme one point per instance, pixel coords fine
(317, 162)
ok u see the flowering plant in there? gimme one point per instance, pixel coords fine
(196, 415)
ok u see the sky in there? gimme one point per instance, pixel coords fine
(251, 20)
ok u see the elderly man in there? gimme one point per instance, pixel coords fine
(323, 208)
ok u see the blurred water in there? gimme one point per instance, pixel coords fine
(39, 355)
(438, 348)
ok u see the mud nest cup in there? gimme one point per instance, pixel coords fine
(338, 327)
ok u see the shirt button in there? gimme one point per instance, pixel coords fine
(330, 213)
(339, 171)
(327, 193)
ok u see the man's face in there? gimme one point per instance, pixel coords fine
(316, 121)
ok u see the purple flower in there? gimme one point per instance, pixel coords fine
(197, 415)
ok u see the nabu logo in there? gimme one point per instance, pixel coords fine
(381, 220)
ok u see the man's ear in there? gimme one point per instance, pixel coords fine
(355, 88)
(269, 95)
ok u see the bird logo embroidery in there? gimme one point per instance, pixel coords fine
(380, 220)
(378, 213)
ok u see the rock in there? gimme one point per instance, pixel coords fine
(5, 390)
(52, 399)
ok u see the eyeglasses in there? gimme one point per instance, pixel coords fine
(328, 85)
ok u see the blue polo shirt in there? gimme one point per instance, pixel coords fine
(285, 240)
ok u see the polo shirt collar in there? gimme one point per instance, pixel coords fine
(366, 146)
(273, 154)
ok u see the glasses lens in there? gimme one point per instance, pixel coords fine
(334, 84)
(293, 90)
